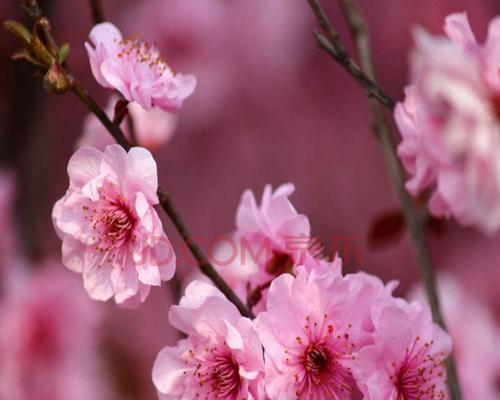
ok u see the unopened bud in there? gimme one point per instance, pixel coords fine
(56, 80)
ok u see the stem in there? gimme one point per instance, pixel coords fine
(415, 221)
(113, 129)
(333, 45)
(97, 13)
(205, 266)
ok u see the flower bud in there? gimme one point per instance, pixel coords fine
(56, 80)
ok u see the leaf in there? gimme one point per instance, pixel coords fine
(19, 31)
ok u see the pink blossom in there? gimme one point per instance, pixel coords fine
(406, 359)
(270, 239)
(475, 335)
(136, 69)
(48, 338)
(153, 128)
(110, 230)
(450, 123)
(221, 358)
(313, 327)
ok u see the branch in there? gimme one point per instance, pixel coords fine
(332, 44)
(204, 264)
(97, 12)
(416, 224)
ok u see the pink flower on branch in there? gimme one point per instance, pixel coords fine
(450, 123)
(110, 230)
(221, 358)
(136, 69)
(271, 238)
(406, 360)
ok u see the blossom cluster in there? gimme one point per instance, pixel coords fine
(324, 335)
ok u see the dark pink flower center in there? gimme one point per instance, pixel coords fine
(417, 377)
(315, 359)
(322, 360)
(112, 222)
(279, 263)
(217, 374)
(226, 380)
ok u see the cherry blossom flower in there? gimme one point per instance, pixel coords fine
(450, 123)
(136, 69)
(48, 337)
(221, 358)
(475, 335)
(270, 239)
(110, 230)
(153, 128)
(406, 359)
(313, 327)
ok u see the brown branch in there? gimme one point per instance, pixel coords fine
(97, 13)
(31, 6)
(332, 44)
(415, 222)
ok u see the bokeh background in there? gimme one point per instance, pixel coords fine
(269, 108)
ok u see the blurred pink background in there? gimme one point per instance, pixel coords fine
(269, 108)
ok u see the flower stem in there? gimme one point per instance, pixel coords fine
(97, 12)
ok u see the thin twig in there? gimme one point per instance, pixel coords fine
(97, 13)
(416, 224)
(333, 45)
(33, 10)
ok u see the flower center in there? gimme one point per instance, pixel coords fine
(418, 374)
(279, 263)
(322, 359)
(226, 380)
(112, 222)
(133, 48)
(316, 358)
